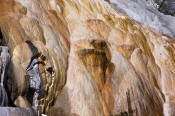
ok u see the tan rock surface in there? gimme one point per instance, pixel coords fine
(105, 63)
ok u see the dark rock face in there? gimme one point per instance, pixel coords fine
(38, 97)
(166, 6)
(4, 62)
(35, 79)
(3, 97)
(159, 2)
(9, 111)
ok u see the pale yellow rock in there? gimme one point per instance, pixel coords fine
(22, 102)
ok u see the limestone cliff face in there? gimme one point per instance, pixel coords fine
(95, 61)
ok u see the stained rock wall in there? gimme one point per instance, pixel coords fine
(93, 60)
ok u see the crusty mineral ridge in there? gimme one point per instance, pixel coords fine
(105, 64)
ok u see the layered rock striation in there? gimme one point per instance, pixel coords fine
(91, 60)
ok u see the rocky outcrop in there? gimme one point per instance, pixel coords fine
(85, 58)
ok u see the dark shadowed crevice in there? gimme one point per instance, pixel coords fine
(8, 90)
(166, 6)
(4, 65)
(1, 38)
(6, 81)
